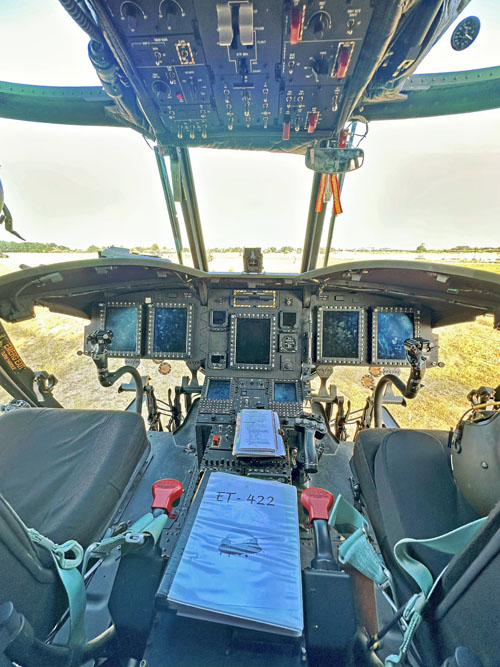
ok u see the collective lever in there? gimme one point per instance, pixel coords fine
(318, 503)
(166, 494)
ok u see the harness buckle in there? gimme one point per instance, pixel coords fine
(135, 538)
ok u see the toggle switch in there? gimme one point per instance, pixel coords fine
(286, 127)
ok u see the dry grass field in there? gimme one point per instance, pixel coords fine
(470, 351)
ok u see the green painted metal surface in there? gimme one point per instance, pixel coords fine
(440, 95)
(57, 104)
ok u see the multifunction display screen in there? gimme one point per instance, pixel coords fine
(340, 334)
(285, 392)
(219, 389)
(392, 330)
(122, 320)
(253, 341)
(170, 330)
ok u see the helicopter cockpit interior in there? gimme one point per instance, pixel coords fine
(247, 518)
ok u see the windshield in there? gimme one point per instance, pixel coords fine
(428, 185)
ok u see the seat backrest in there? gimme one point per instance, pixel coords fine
(64, 471)
(467, 608)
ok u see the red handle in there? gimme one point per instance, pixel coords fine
(318, 502)
(165, 493)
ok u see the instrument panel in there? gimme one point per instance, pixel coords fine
(227, 396)
(266, 333)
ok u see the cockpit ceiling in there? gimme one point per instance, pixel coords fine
(260, 75)
(265, 75)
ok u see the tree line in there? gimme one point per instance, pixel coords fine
(33, 246)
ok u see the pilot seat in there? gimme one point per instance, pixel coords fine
(404, 481)
(62, 472)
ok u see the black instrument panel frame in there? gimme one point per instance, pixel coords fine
(203, 338)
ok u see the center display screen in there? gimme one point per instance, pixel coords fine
(340, 334)
(253, 341)
(285, 392)
(219, 389)
(122, 321)
(392, 330)
(170, 330)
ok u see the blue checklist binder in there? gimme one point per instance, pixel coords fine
(241, 562)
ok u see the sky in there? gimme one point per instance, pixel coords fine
(429, 180)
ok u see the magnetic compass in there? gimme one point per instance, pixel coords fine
(465, 33)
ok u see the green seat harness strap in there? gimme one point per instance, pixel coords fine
(69, 556)
(356, 549)
(449, 543)
(136, 534)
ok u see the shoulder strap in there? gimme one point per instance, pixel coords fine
(449, 543)
(67, 558)
(358, 551)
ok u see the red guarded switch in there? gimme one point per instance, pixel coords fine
(318, 502)
(165, 493)
(343, 58)
(286, 130)
(297, 23)
(312, 121)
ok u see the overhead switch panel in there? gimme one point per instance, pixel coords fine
(238, 73)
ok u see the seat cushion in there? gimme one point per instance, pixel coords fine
(63, 471)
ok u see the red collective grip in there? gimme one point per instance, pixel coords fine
(318, 502)
(165, 493)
